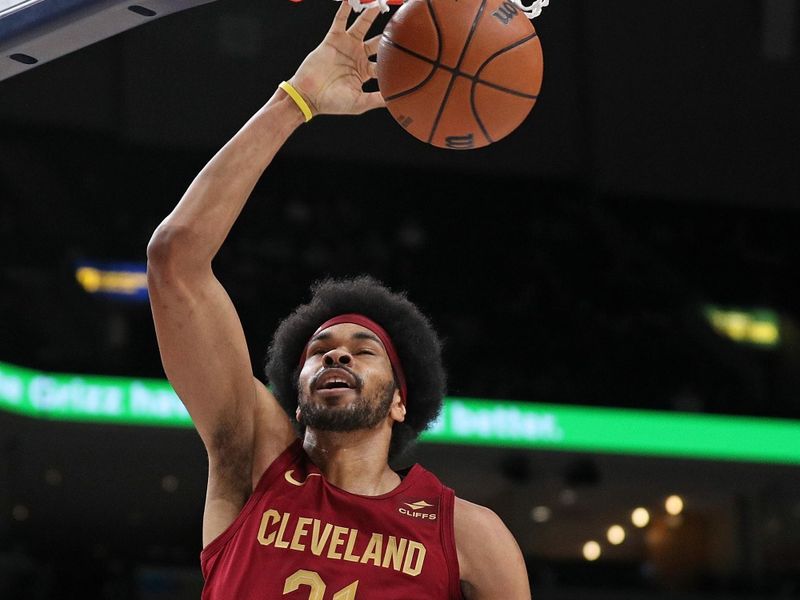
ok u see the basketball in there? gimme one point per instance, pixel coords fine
(459, 74)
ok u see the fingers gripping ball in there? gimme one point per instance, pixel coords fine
(459, 74)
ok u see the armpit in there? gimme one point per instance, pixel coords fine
(468, 590)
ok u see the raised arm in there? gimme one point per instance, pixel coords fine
(200, 338)
(491, 562)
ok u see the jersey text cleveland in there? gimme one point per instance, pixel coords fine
(282, 530)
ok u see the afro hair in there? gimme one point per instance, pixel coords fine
(415, 339)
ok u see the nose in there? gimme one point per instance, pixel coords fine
(337, 356)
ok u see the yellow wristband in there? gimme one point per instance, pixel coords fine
(298, 99)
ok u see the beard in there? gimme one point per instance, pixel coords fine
(363, 413)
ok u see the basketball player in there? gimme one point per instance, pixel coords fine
(301, 501)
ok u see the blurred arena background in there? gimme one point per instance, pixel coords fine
(617, 280)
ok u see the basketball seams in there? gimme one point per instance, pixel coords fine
(439, 35)
(440, 108)
(435, 63)
(457, 68)
(411, 90)
(477, 116)
(500, 88)
(477, 80)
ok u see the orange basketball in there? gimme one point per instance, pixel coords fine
(459, 74)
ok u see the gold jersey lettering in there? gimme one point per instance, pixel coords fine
(279, 541)
(374, 549)
(299, 533)
(351, 542)
(317, 541)
(270, 517)
(394, 553)
(336, 542)
(412, 566)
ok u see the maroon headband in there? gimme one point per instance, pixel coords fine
(368, 323)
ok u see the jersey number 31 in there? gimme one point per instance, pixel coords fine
(314, 581)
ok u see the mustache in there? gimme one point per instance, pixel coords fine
(322, 371)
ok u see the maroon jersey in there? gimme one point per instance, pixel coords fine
(300, 538)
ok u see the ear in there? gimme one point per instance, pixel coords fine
(297, 414)
(398, 409)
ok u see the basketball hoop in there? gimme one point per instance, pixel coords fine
(532, 10)
(358, 5)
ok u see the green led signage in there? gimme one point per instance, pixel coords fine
(90, 398)
(618, 431)
(465, 421)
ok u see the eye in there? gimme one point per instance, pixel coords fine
(369, 352)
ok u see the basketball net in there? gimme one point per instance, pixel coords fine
(532, 10)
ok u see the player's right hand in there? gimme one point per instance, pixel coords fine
(332, 76)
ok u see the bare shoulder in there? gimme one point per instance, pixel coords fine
(491, 562)
(247, 442)
(243, 450)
